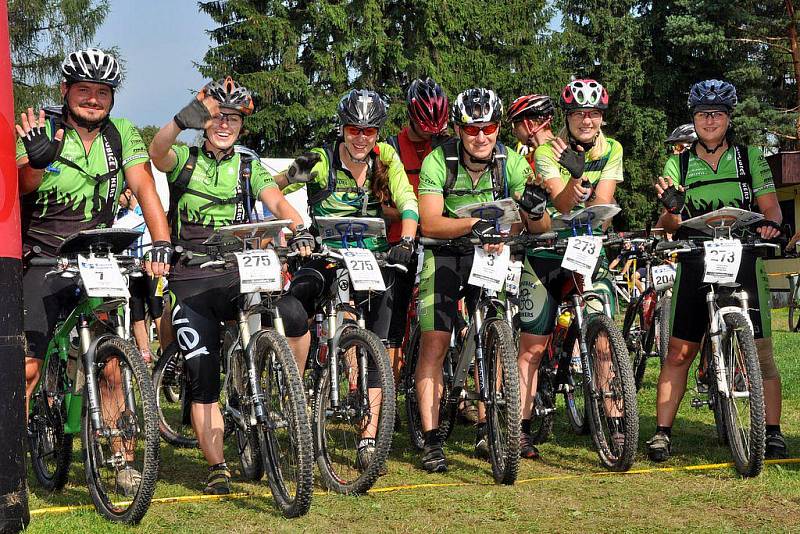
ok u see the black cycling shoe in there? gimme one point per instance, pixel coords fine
(482, 443)
(433, 460)
(775, 447)
(659, 447)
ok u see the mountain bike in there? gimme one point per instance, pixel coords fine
(101, 388)
(263, 402)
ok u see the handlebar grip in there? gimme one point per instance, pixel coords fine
(43, 262)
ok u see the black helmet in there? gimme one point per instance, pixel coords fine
(428, 106)
(91, 65)
(531, 107)
(477, 105)
(363, 108)
(682, 134)
(231, 95)
(712, 93)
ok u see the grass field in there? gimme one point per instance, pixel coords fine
(565, 491)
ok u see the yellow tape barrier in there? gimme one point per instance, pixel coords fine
(411, 487)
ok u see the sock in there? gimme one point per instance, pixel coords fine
(222, 465)
(664, 429)
(773, 429)
(526, 426)
(366, 442)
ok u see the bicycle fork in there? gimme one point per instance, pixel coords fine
(717, 329)
(257, 396)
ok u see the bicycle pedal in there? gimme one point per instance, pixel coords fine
(698, 403)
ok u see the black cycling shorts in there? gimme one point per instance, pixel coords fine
(403, 290)
(689, 308)
(45, 300)
(144, 299)
(442, 284)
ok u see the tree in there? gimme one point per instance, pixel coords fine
(299, 57)
(42, 33)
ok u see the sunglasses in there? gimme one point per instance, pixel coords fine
(473, 130)
(712, 116)
(232, 119)
(356, 131)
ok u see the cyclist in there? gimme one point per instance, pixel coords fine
(428, 110)
(580, 167)
(531, 117)
(356, 177)
(718, 173)
(72, 164)
(681, 139)
(146, 292)
(214, 185)
(485, 171)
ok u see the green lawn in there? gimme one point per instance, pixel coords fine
(558, 493)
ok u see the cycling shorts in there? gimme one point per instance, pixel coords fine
(442, 284)
(45, 300)
(689, 309)
(144, 299)
(403, 290)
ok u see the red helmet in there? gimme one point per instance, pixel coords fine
(586, 93)
(531, 107)
(428, 106)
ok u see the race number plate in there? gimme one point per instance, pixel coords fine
(259, 270)
(365, 274)
(722, 260)
(663, 276)
(582, 254)
(102, 277)
(489, 271)
(513, 277)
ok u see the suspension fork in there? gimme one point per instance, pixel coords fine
(123, 331)
(584, 348)
(257, 396)
(333, 360)
(715, 330)
(480, 363)
(87, 357)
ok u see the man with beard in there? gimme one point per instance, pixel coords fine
(72, 167)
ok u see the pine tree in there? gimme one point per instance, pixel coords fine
(41, 34)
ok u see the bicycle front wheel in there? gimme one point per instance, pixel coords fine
(502, 400)
(610, 395)
(50, 446)
(288, 452)
(794, 307)
(743, 408)
(364, 409)
(122, 455)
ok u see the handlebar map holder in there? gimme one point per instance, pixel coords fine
(720, 223)
(503, 213)
(590, 218)
(251, 236)
(100, 240)
(350, 229)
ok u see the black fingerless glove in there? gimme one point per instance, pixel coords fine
(301, 238)
(573, 161)
(487, 232)
(41, 150)
(673, 199)
(402, 253)
(534, 201)
(300, 170)
(194, 116)
(770, 224)
(160, 253)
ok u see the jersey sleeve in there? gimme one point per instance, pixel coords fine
(763, 183)
(518, 172)
(432, 174)
(546, 165)
(182, 156)
(134, 150)
(260, 178)
(613, 169)
(399, 187)
(672, 169)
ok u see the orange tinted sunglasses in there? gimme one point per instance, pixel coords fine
(473, 130)
(355, 130)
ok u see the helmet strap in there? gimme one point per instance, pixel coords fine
(476, 160)
(575, 143)
(354, 159)
(712, 150)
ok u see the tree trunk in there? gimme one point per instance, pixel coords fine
(796, 64)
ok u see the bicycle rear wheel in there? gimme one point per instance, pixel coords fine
(663, 322)
(544, 402)
(743, 411)
(338, 429)
(288, 452)
(574, 392)
(170, 385)
(610, 394)
(502, 400)
(249, 438)
(122, 456)
(50, 447)
(638, 340)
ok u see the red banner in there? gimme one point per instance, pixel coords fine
(10, 232)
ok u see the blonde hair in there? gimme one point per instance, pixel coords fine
(600, 144)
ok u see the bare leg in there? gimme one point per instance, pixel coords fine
(209, 426)
(672, 380)
(428, 376)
